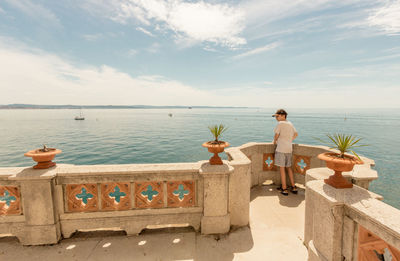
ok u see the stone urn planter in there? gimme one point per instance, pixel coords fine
(338, 164)
(43, 157)
(215, 148)
(341, 161)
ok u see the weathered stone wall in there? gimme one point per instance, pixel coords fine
(304, 158)
(41, 206)
(333, 218)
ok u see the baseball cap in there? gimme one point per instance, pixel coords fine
(280, 112)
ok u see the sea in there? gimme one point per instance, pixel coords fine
(125, 136)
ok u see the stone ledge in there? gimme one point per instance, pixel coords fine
(324, 173)
(129, 213)
(363, 172)
(207, 169)
(238, 157)
(31, 174)
(7, 172)
(133, 225)
(129, 169)
(12, 219)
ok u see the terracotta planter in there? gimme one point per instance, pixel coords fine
(339, 165)
(215, 148)
(43, 158)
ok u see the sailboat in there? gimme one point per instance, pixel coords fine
(80, 117)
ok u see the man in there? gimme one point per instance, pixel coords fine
(285, 133)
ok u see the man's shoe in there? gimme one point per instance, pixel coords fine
(285, 192)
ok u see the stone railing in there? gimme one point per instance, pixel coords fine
(305, 157)
(41, 206)
(348, 224)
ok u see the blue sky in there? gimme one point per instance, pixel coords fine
(284, 53)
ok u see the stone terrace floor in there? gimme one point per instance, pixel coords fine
(276, 233)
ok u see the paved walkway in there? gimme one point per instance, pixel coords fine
(275, 233)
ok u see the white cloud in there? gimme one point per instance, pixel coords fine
(132, 52)
(92, 37)
(356, 18)
(2, 11)
(220, 24)
(380, 58)
(264, 12)
(35, 11)
(387, 17)
(309, 96)
(141, 29)
(210, 49)
(364, 73)
(154, 48)
(259, 50)
(34, 76)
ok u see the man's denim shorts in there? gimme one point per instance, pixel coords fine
(283, 159)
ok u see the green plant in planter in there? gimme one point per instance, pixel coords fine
(343, 143)
(216, 146)
(217, 131)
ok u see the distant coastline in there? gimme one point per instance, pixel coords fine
(36, 106)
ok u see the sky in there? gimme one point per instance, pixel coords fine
(253, 53)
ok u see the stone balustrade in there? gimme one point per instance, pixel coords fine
(43, 206)
(305, 157)
(349, 224)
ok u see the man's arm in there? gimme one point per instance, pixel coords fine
(276, 137)
(295, 136)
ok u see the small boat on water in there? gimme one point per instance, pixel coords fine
(80, 117)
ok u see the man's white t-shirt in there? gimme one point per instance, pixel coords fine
(286, 131)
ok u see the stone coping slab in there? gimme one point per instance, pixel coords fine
(360, 205)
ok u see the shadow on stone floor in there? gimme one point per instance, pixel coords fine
(292, 200)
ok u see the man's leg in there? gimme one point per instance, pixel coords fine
(283, 177)
(290, 172)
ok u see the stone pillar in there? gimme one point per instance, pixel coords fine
(324, 221)
(239, 187)
(38, 205)
(216, 219)
(239, 194)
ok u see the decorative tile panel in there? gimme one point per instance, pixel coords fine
(82, 197)
(181, 193)
(10, 200)
(268, 162)
(116, 196)
(301, 164)
(372, 247)
(149, 194)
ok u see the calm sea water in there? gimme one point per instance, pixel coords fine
(152, 136)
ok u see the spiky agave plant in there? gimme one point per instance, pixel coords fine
(217, 131)
(343, 143)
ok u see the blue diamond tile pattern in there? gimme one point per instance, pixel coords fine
(149, 193)
(302, 164)
(84, 196)
(117, 194)
(7, 198)
(269, 161)
(180, 192)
